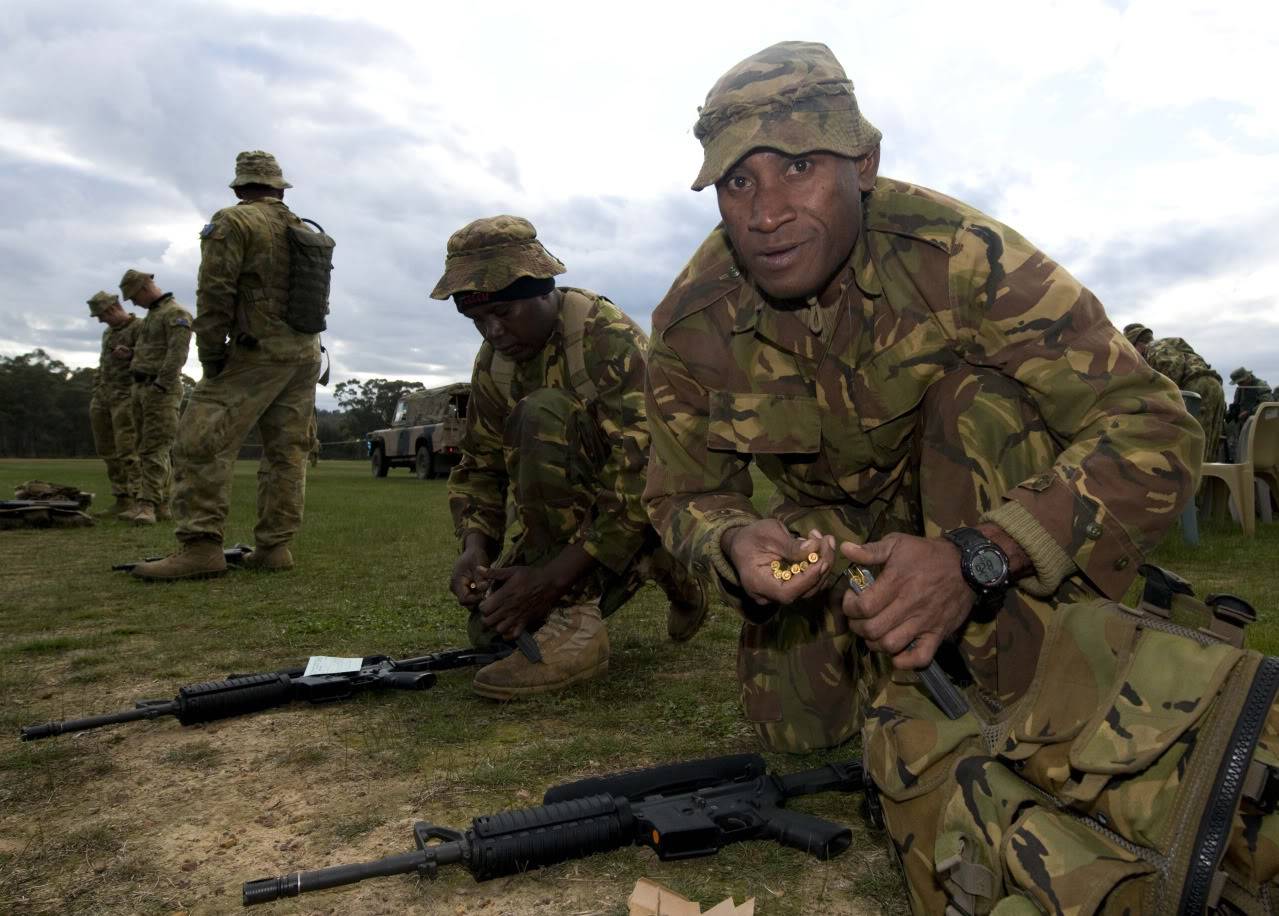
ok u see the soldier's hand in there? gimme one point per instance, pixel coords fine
(122, 352)
(520, 596)
(470, 580)
(919, 597)
(754, 549)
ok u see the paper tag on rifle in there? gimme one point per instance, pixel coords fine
(652, 899)
(328, 664)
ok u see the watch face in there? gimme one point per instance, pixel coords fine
(989, 566)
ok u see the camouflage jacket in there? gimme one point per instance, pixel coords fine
(827, 408)
(1250, 393)
(613, 351)
(114, 378)
(163, 342)
(1174, 358)
(243, 287)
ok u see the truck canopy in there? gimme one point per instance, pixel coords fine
(433, 405)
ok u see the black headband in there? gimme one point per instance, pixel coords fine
(523, 288)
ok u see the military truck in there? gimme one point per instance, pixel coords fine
(425, 435)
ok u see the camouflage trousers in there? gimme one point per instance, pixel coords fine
(155, 418)
(115, 440)
(554, 453)
(1211, 415)
(277, 399)
(805, 679)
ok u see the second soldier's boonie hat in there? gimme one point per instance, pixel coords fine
(490, 254)
(792, 97)
(100, 301)
(132, 281)
(258, 167)
(1239, 375)
(1136, 331)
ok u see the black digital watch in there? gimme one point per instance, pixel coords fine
(983, 563)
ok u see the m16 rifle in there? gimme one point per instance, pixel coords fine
(682, 811)
(324, 680)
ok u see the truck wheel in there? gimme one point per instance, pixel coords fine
(424, 465)
(378, 462)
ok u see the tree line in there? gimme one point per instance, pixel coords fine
(44, 410)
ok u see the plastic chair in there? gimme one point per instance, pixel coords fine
(1259, 447)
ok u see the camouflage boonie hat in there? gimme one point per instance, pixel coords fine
(133, 281)
(1240, 374)
(1136, 332)
(101, 301)
(258, 167)
(792, 97)
(492, 253)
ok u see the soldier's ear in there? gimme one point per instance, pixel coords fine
(868, 170)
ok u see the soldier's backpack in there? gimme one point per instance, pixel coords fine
(310, 267)
(1138, 774)
(575, 309)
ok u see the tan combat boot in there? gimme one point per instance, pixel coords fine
(192, 560)
(686, 593)
(144, 514)
(574, 648)
(269, 559)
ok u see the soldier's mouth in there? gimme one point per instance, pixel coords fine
(778, 257)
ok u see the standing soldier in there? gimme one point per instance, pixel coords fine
(259, 306)
(111, 410)
(1174, 358)
(158, 357)
(556, 419)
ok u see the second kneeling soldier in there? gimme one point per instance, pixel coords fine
(557, 422)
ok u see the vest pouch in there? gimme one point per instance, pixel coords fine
(1065, 866)
(310, 268)
(763, 424)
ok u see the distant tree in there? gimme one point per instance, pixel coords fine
(371, 404)
(44, 407)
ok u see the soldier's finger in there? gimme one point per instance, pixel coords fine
(873, 553)
(876, 628)
(919, 652)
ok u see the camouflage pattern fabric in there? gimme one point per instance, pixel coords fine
(492, 253)
(1087, 795)
(243, 288)
(1174, 358)
(162, 343)
(257, 166)
(1250, 393)
(155, 423)
(111, 411)
(279, 400)
(828, 402)
(58, 492)
(610, 526)
(793, 97)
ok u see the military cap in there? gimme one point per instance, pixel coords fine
(490, 254)
(792, 97)
(100, 301)
(1137, 332)
(1241, 376)
(133, 281)
(258, 167)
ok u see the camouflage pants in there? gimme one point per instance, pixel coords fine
(155, 417)
(554, 453)
(116, 442)
(279, 400)
(1212, 413)
(805, 679)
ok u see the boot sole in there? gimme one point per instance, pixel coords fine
(493, 692)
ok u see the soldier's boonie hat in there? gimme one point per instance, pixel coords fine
(1137, 332)
(258, 167)
(101, 301)
(133, 281)
(792, 97)
(1240, 374)
(490, 254)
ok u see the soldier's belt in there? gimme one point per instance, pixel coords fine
(143, 379)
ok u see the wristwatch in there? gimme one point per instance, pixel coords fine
(983, 563)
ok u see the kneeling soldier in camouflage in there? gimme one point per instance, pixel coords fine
(556, 418)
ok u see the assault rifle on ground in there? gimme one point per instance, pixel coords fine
(323, 680)
(682, 811)
(234, 557)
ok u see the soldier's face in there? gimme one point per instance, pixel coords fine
(517, 329)
(793, 220)
(113, 315)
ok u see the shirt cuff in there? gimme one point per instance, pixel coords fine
(1052, 564)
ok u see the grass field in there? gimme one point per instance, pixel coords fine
(156, 818)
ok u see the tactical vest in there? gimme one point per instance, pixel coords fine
(1138, 774)
(575, 309)
(310, 269)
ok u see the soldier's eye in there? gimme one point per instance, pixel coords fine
(737, 182)
(800, 166)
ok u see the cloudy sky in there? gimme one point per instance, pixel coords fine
(1137, 143)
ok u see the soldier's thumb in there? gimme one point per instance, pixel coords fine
(876, 553)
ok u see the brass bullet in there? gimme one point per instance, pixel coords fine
(776, 564)
(777, 573)
(786, 575)
(803, 565)
(813, 558)
(794, 568)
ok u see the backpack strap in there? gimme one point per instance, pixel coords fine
(502, 372)
(574, 311)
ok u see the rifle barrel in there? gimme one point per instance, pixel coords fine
(300, 882)
(49, 729)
